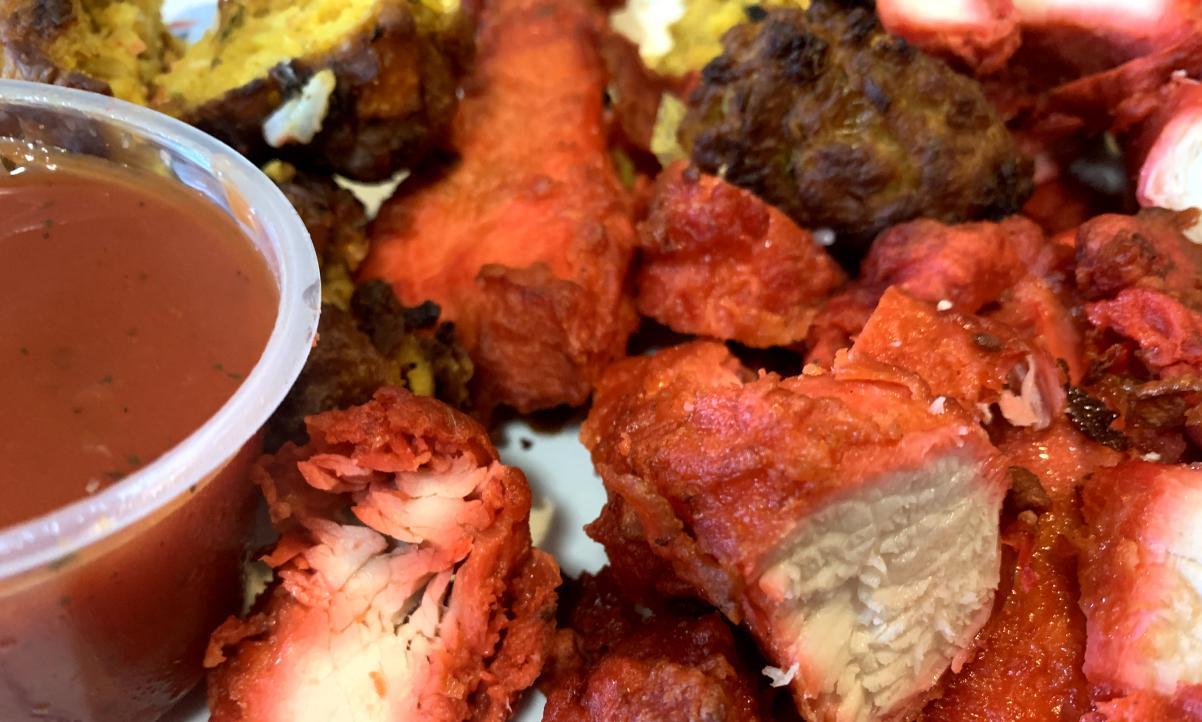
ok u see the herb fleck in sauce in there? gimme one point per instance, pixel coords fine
(132, 308)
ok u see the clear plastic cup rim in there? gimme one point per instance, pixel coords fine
(69, 529)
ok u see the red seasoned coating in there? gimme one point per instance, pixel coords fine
(526, 241)
(717, 468)
(617, 665)
(1028, 664)
(839, 320)
(979, 34)
(1122, 96)
(968, 264)
(642, 576)
(973, 360)
(1139, 589)
(1092, 36)
(717, 261)
(1041, 315)
(1058, 205)
(1147, 250)
(387, 504)
(1166, 331)
(692, 408)
(1142, 707)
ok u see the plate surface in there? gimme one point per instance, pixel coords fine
(567, 492)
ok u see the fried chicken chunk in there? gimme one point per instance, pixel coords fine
(844, 127)
(405, 584)
(526, 242)
(979, 363)
(615, 665)
(1169, 141)
(979, 34)
(719, 262)
(1140, 589)
(964, 267)
(1138, 277)
(852, 528)
(1028, 663)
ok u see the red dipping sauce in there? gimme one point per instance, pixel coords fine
(132, 311)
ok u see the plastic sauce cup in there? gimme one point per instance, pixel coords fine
(106, 604)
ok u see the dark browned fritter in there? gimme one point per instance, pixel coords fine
(337, 224)
(392, 103)
(377, 343)
(845, 127)
(115, 47)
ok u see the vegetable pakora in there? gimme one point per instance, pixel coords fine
(377, 343)
(844, 127)
(361, 88)
(337, 225)
(116, 48)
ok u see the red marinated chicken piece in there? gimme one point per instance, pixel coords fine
(980, 364)
(406, 587)
(1121, 97)
(1069, 37)
(956, 266)
(1167, 150)
(1168, 333)
(851, 528)
(1096, 34)
(1139, 278)
(1141, 591)
(717, 261)
(980, 34)
(525, 243)
(968, 265)
(1029, 657)
(615, 664)
(1148, 250)
(1038, 311)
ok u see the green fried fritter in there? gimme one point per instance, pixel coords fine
(842, 126)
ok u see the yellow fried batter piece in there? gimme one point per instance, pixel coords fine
(697, 34)
(115, 47)
(337, 225)
(358, 87)
(377, 343)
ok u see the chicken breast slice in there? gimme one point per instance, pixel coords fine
(852, 528)
(406, 588)
(1141, 581)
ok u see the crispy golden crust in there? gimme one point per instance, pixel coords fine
(29, 28)
(110, 48)
(844, 127)
(392, 103)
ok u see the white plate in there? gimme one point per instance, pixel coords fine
(561, 476)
